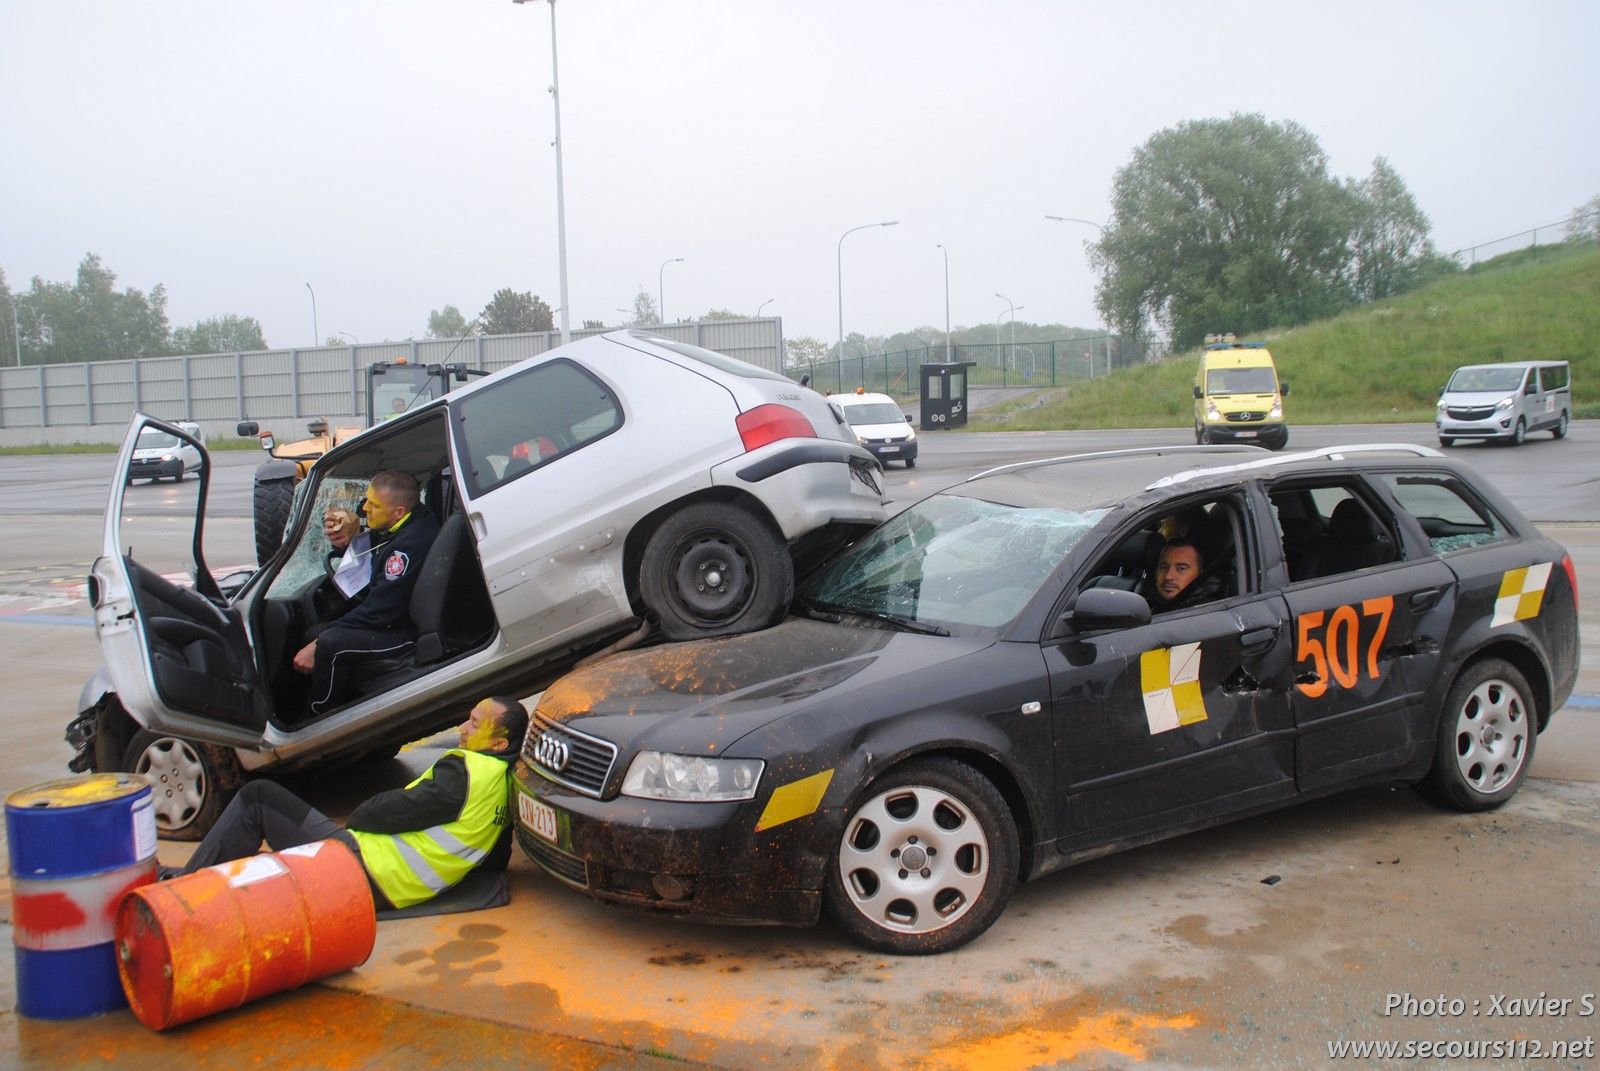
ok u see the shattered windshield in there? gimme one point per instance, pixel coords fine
(951, 560)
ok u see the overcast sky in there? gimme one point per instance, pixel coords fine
(396, 155)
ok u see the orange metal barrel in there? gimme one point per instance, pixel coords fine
(230, 933)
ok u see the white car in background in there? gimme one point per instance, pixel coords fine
(162, 455)
(880, 426)
(615, 489)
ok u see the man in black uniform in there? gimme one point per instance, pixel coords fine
(1179, 582)
(379, 626)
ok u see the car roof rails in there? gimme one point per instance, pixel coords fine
(1102, 455)
(1326, 453)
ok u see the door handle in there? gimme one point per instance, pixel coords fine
(1257, 640)
(1423, 601)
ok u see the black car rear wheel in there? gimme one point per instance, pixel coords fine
(715, 569)
(1560, 430)
(926, 862)
(1486, 738)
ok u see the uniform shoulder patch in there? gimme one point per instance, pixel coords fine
(396, 566)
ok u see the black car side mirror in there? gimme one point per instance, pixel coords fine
(246, 428)
(1100, 609)
(1283, 389)
(1198, 393)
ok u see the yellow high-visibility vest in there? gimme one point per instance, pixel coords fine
(417, 866)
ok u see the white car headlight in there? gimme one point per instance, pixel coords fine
(166, 457)
(912, 437)
(1505, 403)
(1441, 406)
(1212, 414)
(1276, 412)
(660, 775)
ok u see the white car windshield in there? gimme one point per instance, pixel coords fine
(873, 413)
(151, 439)
(951, 560)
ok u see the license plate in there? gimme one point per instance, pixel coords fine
(539, 817)
(890, 450)
(1245, 434)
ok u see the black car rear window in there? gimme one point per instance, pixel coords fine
(1451, 515)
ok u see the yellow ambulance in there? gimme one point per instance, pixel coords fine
(1237, 395)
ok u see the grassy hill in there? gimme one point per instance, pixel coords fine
(1383, 362)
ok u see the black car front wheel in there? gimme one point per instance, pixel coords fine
(926, 862)
(715, 569)
(188, 781)
(270, 505)
(1486, 738)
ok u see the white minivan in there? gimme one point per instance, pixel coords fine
(1505, 401)
(880, 426)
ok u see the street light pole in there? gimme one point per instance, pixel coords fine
(946, 253)
(661, 292)
(316, 337)
(561, 201)
(1101, 227)
(16, 331)
(763, 305)
(839, 357)
(1012, 356)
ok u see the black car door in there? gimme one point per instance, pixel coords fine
(1368, 622)
(1170, 723)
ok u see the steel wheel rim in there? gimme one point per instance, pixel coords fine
(1491, 740)
(713, 578)
(909, 825)
(177, 781)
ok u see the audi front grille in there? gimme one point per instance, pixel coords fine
(562, 754)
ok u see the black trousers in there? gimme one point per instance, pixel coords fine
(266, 811)
(341, 650)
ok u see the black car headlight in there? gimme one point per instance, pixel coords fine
(661, 775)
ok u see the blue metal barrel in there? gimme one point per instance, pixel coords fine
(77, 846)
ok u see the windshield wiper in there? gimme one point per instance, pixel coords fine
(816, 609)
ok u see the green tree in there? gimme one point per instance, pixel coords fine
(511, 313)
(446, 323)
(1224, 225)
(804, 352)
(594, 325)
(724, 314)
(1389, 246)
(91, 320)
(1585, 223)
(645, 313)
(9, 317)
(219, 334)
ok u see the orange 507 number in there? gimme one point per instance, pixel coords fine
(1331, 641)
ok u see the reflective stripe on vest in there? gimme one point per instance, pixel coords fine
(413, 867)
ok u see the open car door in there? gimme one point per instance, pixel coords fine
(179, 657)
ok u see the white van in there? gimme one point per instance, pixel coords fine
(159, 454)
(1505, 401)
(879, 425)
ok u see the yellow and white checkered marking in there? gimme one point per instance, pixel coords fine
(1170, 680)
(1521, 593)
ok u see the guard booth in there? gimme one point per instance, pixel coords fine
(944, 395)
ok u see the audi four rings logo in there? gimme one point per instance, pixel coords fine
(551, 752)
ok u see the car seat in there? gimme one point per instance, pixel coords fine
(1354, 541)
(1129, 562)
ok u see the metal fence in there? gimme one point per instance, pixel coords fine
(1547, 235)
(1023, 364)
(93, 401)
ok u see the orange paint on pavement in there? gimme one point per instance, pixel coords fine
(1033, 1046)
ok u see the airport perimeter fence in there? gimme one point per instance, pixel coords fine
(1024, 364)
(93, 401)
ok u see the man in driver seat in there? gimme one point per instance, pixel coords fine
(380, 625)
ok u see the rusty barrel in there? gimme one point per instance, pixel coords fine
(219, 937)
(77, 845)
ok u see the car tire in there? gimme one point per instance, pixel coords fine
(1446, 442)
(715, 569)
(1560, 430)
(1487, 734)
(1519, 433)
(188, 781)
(271, 502)
(911, 462)
(1199, 435)
(1277, 442)
(964, 836)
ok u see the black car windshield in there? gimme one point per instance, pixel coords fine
(876, 413)
(1241, 381)
(1486, 379)
(952, 560)
(151, 439)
